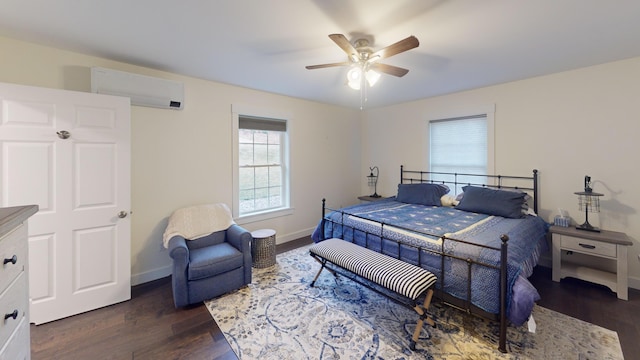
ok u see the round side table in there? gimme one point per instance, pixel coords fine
(263, 248)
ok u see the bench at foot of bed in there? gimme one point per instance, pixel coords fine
(395, 275)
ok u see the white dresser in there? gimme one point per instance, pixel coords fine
(15, 343)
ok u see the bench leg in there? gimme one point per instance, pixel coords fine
(317, 275)
(322, 263)
(422, 311)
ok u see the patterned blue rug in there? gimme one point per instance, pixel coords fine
(279, 316)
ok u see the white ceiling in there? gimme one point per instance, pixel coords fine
(265, 44)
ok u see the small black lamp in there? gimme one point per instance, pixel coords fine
(373, 181)
(588, 201)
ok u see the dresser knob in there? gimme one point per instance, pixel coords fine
(13, 315)
(13, 260)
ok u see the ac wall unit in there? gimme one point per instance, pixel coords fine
(143, 90)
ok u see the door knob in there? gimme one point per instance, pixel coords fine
(122, 214)
(64, 134)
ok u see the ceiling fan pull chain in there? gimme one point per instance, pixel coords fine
(362, 90)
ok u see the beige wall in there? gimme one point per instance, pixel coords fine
(181, 158)
(567, 125)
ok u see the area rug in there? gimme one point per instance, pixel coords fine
(279, 316)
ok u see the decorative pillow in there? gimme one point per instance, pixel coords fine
(525, 203)
(492, 201)
(526, 210)
(448, 200)
(421, 193)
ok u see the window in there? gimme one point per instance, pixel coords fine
(462, 145)
(261, 181)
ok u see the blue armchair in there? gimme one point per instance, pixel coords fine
(211, 265)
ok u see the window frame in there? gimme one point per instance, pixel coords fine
(285, 209)
(488, 111)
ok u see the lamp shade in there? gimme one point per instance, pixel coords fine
(588, 201)
(354, 77)
(372, 180)
(372, 77)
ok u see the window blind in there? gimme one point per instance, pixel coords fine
(458, 144)
(259, 123)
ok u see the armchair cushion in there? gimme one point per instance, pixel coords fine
(213, 260)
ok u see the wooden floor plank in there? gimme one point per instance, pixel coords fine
(150, 327)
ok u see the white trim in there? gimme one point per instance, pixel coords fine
(266, 215)
(260, 112)
(242, 109)
(461, 112)
(283, 238)
(634, 282)
(155, 274)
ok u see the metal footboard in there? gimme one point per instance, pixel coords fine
(447, 299)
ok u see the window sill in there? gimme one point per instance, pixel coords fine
(263, 216)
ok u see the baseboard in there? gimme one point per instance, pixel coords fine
(155, 274)
(137, 279)
(282, 238)
(545, 261)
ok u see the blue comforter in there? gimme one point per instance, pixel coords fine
(421, 226)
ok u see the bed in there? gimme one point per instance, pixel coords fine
(479, 234)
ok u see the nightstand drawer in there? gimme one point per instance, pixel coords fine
(588, 246)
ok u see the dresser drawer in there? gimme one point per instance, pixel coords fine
(14, 298)
(588, 246)
(18, 346)
(12, 246)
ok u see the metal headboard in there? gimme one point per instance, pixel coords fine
(528, 184)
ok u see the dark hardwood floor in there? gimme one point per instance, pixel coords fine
(149, 327)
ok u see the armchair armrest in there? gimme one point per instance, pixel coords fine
(240, 238)
(179, 252)
(178, 249)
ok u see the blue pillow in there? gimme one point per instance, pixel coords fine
(492, 201)
(422, 193)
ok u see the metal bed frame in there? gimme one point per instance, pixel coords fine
(453, 179)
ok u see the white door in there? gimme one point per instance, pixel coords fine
(69, 153)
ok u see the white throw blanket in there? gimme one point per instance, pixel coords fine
(197, 221)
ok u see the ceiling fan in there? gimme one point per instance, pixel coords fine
(364, 60)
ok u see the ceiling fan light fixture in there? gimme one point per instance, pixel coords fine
(362, 59)
(354, 77)
(372, 77)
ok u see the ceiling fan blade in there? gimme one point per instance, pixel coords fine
(393, 49)
(389, 69)
(321, 66)
(345, 45)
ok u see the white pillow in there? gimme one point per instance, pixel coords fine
(448, 200)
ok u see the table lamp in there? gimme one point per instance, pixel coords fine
(373, 180)
(588, 201)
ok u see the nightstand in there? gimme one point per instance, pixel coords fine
(370, 198)
(610, 245)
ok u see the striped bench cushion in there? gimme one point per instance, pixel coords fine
(396, 275)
